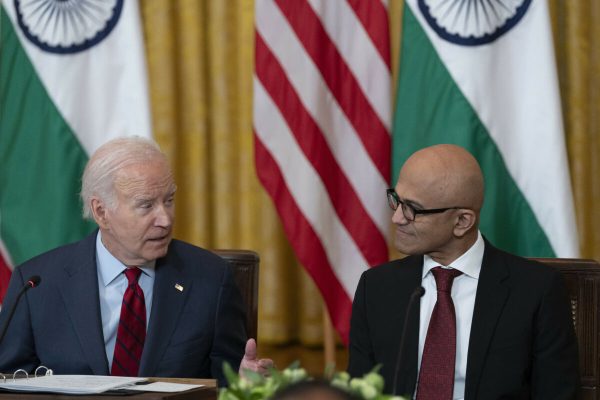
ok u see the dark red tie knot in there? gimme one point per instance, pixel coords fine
(444, 278)
(133, 274)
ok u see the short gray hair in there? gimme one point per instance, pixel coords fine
(101, 170)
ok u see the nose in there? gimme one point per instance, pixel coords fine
(398, 217)
(164, 216)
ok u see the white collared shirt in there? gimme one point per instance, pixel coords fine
(463, 293)
(112, 283)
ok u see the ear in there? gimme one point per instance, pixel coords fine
(465, 221)
(99, 212)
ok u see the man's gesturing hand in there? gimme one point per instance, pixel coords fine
(250, 362)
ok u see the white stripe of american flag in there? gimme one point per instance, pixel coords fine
(339, 133)
(364, 64)
(281, 42)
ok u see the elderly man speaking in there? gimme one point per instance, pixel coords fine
(128, 300)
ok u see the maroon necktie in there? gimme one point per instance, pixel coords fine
(131, 332)
(436, 376)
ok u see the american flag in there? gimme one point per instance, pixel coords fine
(322, 115)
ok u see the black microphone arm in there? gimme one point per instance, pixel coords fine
(32, 282)
(416, 294)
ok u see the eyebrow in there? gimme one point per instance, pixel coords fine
(142, 199)
(412, 203)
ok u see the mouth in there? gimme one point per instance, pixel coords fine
(400, 232)
(160, 239)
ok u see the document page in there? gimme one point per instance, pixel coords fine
(164, 387)
(70, 384)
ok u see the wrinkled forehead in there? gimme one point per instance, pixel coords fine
(152, 176)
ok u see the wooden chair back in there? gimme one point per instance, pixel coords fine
(245, 265)
(582, 278)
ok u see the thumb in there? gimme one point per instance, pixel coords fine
(250, 352)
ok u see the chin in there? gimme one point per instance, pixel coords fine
(162, 252)
(155, 254)
(406, 248)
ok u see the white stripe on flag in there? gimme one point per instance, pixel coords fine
(359, 53)
(99, 95)
(322, 116)
(308, 190)
(4, 254)
(513, 87)
(343, 141)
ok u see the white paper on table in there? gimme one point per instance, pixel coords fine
(163, 387)
(71, 384)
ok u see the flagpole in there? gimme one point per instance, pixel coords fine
(328, 339)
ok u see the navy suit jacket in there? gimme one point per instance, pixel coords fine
(190, 332)
(522, 343)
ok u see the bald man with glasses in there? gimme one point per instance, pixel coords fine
(490, 325)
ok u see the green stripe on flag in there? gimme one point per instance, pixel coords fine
(41, 159)
(431, 109)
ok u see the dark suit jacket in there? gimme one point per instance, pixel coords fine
(190, 332)
(522, 343)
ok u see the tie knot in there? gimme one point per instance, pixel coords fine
(133, 274)
(444, 278)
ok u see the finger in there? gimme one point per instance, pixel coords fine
(250, 351)
(250, 366)
(265, 363)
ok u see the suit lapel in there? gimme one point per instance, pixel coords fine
(492, 292)
(167, 304)
(81, 298)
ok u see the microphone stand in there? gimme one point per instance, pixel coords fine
(416, 294)
(31, 283)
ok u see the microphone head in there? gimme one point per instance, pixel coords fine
(420, 291)
(33, 281)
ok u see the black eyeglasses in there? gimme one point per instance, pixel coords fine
(409, 211)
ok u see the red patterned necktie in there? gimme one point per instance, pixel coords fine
(436, 377)
(132, 328)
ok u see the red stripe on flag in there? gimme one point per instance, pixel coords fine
(374, 17)
(341, 82)
(348, 206)
(5, 273)
(304, 240)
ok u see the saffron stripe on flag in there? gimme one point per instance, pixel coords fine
(340, 80)
(348, 207)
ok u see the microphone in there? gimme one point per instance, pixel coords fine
(32, 282)
(416, 294)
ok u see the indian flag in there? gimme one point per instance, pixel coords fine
(481, 74)
(72, 75)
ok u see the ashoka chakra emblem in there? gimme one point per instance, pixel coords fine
(67, 26)
(472, 22)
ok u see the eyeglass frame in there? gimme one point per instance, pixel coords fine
(393, 198)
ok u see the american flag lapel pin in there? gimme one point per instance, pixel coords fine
(179, 287)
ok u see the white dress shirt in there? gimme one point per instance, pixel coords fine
(463, 293)
(112, 283)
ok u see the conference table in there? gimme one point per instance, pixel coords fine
(208, 392)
